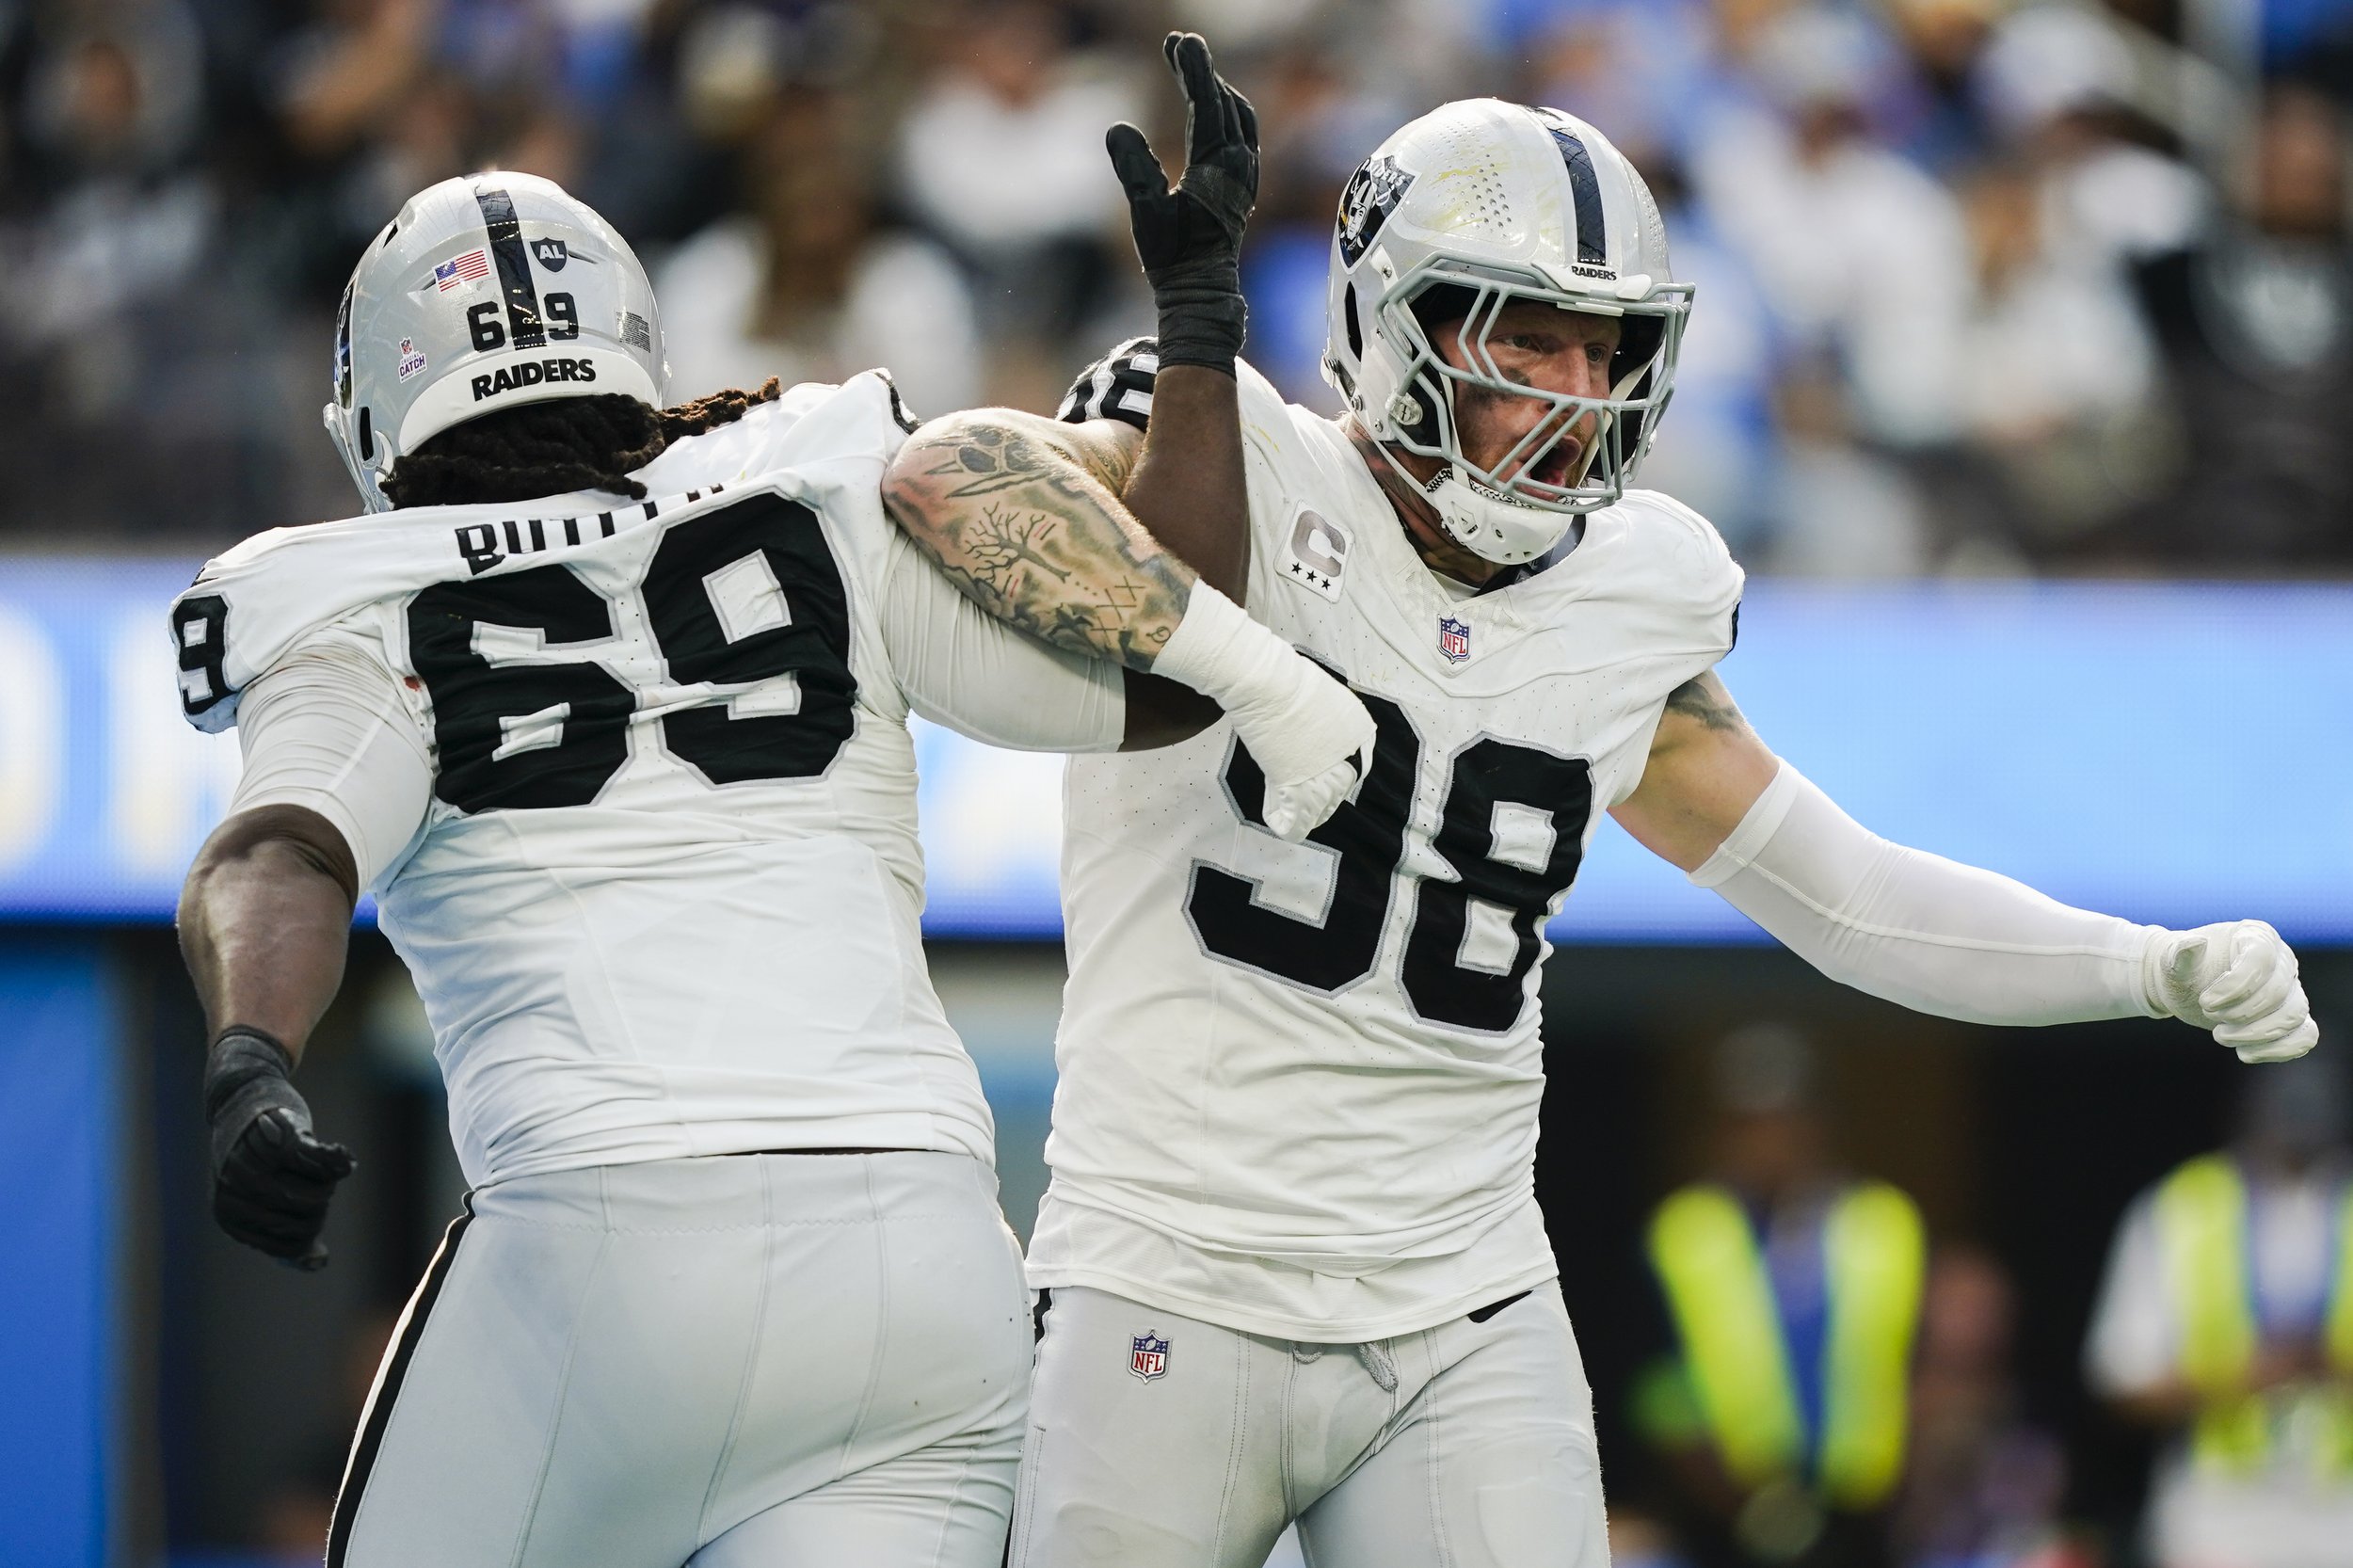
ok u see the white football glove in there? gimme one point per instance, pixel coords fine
(2237, 979)
(1293, 740)
(1311, 736)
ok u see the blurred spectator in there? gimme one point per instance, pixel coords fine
(1982, 1484)
(1860, 252)
(110, 114)
(2226, 1323)
(2257, 326)
(107, 229)
(1941, 126)
(1002, 159)
(1794, 1291)
(1717, 440)
(809, 286)
(1840, 508)
(2060, 429)
(1649, 75)
(2055, 376)
(1319, 119)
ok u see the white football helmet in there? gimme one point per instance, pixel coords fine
(1475, 205)
(487, 291)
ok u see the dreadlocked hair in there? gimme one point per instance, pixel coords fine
(566, 443)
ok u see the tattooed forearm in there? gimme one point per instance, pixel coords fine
(983, 453)
(1704, 698)
(1029, 531)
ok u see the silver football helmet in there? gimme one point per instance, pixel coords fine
(1473, 206)
(487, 291)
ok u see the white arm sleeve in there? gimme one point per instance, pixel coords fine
(962, 668)
(1917, 928)
(326, 729)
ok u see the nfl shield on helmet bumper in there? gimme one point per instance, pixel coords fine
(485, 291)
(1461, 212)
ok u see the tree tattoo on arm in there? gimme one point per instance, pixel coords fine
(1025, 522)
(1003, 539)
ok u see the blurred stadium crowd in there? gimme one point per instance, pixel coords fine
(1985, 287)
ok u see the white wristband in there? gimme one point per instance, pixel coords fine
(1221, 652)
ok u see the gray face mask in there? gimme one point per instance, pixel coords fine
(487, 292)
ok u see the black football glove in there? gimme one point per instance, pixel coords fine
(271, 1178)
(1190, 238)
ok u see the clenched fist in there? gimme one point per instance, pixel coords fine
(2239, 979)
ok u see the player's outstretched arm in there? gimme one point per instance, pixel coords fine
(264, 917)
(1929, 933)
(1019, 513)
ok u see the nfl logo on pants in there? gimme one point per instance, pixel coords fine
(1147, 1356)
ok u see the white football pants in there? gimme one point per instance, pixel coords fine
(769, 1360)
(1465, 1446)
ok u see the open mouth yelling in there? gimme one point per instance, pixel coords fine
(1551, 471)
(1549, 476)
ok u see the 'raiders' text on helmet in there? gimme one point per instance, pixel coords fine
(1461, 212)
(487, 291)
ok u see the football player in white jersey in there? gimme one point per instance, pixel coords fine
(1293, 1262)
(607, 704)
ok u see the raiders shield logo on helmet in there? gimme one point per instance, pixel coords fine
(1373, 192)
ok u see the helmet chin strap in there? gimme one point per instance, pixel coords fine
(1491, 525)
(1474, 518)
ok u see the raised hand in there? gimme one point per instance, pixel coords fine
(1189, 237)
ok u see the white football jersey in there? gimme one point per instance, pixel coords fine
(1300, 1082)
(665, 899)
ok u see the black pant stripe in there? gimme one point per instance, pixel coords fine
(524, 328)
(1493, 1307)
(379, 1411)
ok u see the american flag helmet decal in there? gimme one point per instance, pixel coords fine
(471, 268)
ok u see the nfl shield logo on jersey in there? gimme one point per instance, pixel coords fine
(1147, 1356)
(1454, 638)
